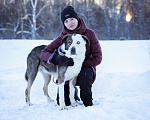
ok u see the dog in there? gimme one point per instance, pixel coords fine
(73, 46)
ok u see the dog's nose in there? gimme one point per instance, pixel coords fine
(73, 51)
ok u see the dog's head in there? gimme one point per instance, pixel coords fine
(74, 44)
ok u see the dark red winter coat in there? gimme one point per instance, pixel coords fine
(93, 50)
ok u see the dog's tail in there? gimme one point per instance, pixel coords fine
(27, 70)
(28, 67)
(26, 76)
(33, 63)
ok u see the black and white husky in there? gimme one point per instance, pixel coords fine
(74, 46)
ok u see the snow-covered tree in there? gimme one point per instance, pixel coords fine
(10, 18)
(140, 18)
(34, 16)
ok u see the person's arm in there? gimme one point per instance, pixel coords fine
(96, 53)
(49, 54)
(49, 49)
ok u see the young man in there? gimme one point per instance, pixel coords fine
(73, 24)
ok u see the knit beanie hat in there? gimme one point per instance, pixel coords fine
(68, 12)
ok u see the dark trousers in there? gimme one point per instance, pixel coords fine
(84, 80)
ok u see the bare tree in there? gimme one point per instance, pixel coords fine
(35, 15)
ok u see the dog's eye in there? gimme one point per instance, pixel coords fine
(70, 41)
(78, 42)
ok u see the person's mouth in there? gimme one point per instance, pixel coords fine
(71, 26)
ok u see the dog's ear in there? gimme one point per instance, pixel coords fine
(64, 39)
(86, 39)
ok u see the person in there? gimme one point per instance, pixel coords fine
(72, 24)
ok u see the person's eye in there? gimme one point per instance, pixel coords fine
(72, 19)
(66, 21)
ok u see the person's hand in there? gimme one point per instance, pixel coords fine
(62, 60)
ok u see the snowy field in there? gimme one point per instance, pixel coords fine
(121, 90)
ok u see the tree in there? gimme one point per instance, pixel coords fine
(34, 16)
(140, 14)
(10, 19)
(122, 23)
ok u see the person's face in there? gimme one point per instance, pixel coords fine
(71, 23)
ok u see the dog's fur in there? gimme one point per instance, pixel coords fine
(74, 46)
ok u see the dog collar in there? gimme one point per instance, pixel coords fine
(61, 51)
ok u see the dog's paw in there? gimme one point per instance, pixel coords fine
(49, 99)
(75, 104)
(29, 104)
(63, 108)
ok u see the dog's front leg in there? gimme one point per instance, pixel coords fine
(72, 84)
(61, 96)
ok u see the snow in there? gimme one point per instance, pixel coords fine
(121, 90)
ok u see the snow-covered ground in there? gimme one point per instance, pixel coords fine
(121, 90)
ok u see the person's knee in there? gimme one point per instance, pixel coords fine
(85, 76)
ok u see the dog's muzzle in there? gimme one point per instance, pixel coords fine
(73, 51)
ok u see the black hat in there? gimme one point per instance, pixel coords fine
(68, 12)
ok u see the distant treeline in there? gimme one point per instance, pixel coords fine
(40, 19)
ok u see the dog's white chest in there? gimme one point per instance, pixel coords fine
(73, 71)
